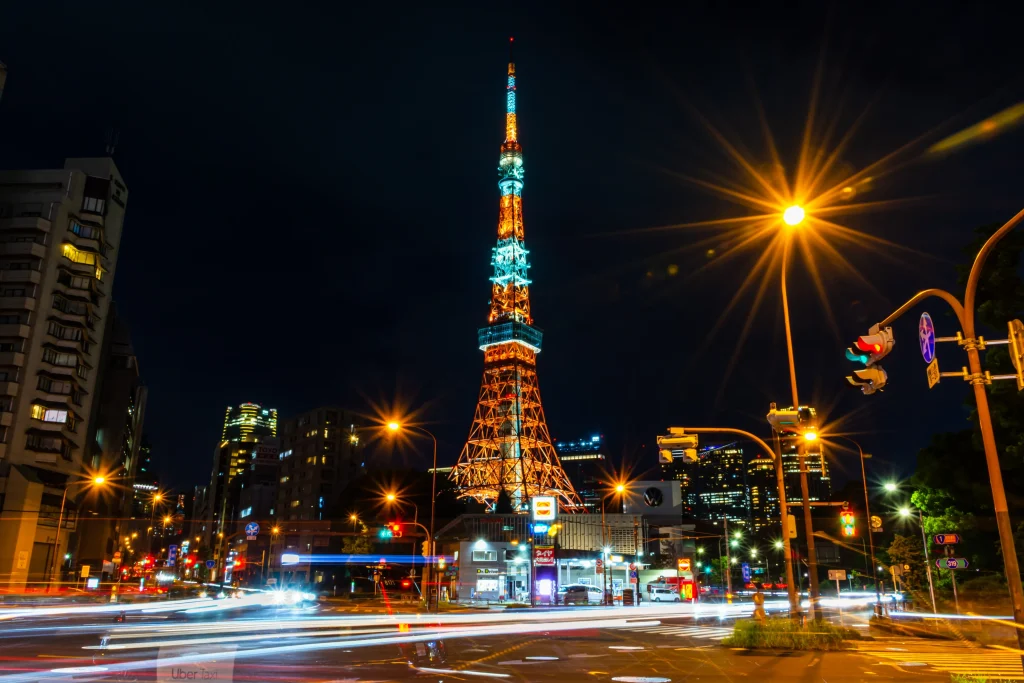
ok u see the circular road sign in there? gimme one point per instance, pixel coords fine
(926, 337)
(252, 528)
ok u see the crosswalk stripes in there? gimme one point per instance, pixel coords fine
(980, 663)
(699, 632)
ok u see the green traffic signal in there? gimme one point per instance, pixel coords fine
(856, 357)
(385, 533)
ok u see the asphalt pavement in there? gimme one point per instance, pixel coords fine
(604, 644)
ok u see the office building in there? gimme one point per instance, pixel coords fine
(819, 484)
(248, 421)
(60, 235)
(764, 492)
(319, 457)
(723, 486)
(586, 464)
(244, 426)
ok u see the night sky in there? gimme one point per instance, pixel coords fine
(313, 202)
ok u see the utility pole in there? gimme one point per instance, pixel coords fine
(728, 558)
(812, 556)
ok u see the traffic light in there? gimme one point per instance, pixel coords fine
(793, 420)
(385, 532)
(869, 380)
(848, 522)
(677, 441)
(396, 529)
(868, 350)
(441, 563)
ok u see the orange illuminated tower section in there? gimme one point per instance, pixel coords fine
(509, 448)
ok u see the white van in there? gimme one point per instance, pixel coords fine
(663, 594)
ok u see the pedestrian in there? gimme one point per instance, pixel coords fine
(759, 614)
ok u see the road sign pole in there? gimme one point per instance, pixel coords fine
(927, 562)
(952, 575)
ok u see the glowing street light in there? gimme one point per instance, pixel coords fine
(778, 545)
(890, 486)
(700, 550)
(810, 436)
(794, 215)
(394, 426)
(619, 488)
(738, 535)
(904, 512)
(733, 560)
(390, 497)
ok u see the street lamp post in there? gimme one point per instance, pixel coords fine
(428, 569)
(793, 217)
(794, 604)
(94, 481)
(978, 379)
(905, 512)
(617, 491)
(867, 513)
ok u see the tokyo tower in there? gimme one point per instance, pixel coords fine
(509, 448)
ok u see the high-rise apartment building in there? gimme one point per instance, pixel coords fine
(587, 466)
(60, 233)
(319, 457)
(723, 486)
(819, 484)
(248, 421)
(764, 492)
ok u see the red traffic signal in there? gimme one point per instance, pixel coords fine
(396, 529)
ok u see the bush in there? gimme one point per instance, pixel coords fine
(786, 634)
(983, 584)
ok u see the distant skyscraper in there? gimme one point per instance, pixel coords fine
(819, 484)
(723, 488)
(248, 421)
(60, 235)
(764, 492)
(586, 464)
(685, 471)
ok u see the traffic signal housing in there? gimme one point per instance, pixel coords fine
(799, 420)
(848, 523)
(868, 350)
(675, 441)
(396, 529)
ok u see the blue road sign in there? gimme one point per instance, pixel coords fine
(745, 568)
(252, 528)
(946, 539)
(951, 563)
(172, 555)
(926, 337)
(210, 564)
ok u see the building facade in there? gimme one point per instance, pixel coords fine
(586, 464)
(60, 234)
(319, 457)
(723, 485)
(764, 492)
(819, 483)
(248, 421)
(114, 436)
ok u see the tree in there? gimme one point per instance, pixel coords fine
(503, 506)
(356, 545)
(905, 552)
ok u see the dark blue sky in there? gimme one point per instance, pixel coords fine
(313, 201)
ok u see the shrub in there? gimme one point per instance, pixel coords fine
(786, 634)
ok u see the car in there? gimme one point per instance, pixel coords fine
(663, 594)
(579, 594)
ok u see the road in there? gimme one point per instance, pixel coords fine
(650, 644)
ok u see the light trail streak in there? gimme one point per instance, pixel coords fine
(426, 635)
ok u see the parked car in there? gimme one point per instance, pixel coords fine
(663, 594)
(579, 594)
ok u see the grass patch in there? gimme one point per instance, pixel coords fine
(786, 634)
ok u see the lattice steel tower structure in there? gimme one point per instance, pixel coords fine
(509, 447)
